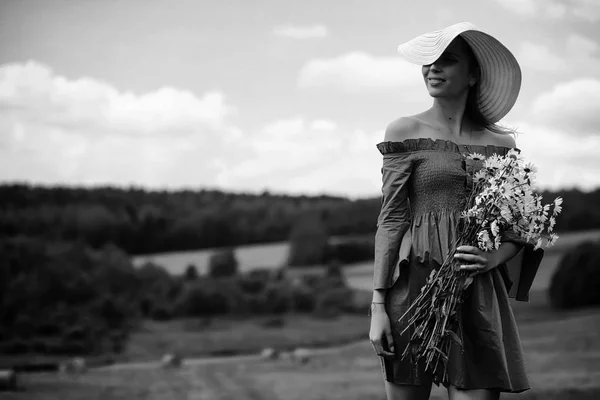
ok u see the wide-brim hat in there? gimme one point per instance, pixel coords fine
(500, 79)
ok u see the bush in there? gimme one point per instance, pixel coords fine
(252, 285)
(273, 322)
(334, 270)
(335, 301)
(577, 279)
(39, 346)
(263, 274)
(308, 241)
(162, 313)
(256, 304)
(64, 298)
(326, 284)
(158, 289)
(352, 250)
(304, 300)
(223, 264)
(16, 346)
(199, 300)
(191, 273)
(24, 327)
(277, 298)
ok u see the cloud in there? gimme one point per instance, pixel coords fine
(358, 72)
(296, 155)
(323, 125)
(34, 92)
(563, 161)
(571, 106)
(579, 53)
(538, 57)
(85, 131)
(554, 9)
(57, 130)
(301, 32)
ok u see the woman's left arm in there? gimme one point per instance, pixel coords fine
(479, 261)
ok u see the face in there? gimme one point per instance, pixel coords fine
(450, 75)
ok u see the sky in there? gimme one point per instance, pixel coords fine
(285, 96)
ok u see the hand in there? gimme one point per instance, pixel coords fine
(479, 261)
(380, 334)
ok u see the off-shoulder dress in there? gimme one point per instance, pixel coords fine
(424, 185)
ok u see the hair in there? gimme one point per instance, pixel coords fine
(472, 110)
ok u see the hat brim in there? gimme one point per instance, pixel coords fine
(428, 47)
(500, 79)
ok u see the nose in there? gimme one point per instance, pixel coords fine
(434, 67)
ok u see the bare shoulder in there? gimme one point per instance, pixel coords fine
(402, 128)
(502, 139)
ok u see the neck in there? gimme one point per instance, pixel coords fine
(451, 114)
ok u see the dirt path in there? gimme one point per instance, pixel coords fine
(230, 359)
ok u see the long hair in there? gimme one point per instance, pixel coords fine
(472, 110)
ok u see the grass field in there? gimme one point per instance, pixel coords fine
(231, 336)
(562, 351)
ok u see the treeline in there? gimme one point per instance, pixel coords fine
(141, 221)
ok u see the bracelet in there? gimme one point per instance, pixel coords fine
(369, 314)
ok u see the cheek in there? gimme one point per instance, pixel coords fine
(425, 70)
(462, 73)
(458, 76)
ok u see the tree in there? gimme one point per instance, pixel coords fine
(191, 273)
(308, 241)
(64, 298)
(223, 263)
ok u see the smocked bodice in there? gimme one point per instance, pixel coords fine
(440, 175)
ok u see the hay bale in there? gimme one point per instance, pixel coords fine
(8, 380)
(75, 365)
(301, 355)
(269, 354)
(171, 360)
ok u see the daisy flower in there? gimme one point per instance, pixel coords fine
(557, 205)
(476, 156)
(480, 176)
(552, 239)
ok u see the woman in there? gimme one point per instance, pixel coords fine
(474, 81)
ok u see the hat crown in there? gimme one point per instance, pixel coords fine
(458, 28)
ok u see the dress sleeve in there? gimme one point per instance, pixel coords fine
(394, 217)
(520, 271)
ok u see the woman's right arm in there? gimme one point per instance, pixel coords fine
(392, 223)
(394, 217)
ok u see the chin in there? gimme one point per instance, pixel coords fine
(435, 92)
(442, 93)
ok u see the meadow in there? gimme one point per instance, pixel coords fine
(562, 354)
(562, 351)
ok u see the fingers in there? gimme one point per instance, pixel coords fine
(471, 258)
(469, 249)
(390, 341)
(380, 350)
(472, 267)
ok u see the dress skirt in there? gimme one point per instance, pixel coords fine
(492, 357)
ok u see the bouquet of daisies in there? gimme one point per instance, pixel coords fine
(502, 200)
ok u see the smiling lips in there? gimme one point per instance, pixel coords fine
(436, 80)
